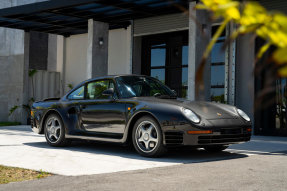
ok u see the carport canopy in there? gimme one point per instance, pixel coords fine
(70, 17)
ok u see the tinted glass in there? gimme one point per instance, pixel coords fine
(77, 94)
(135, 86)
(185, 55)
(217, 75)
(217, 94)
(217, 54)
(158, 74)
(158, 57)
(96, 89)
(184, 76)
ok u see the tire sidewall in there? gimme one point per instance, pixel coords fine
(62, 136)
(160, 136)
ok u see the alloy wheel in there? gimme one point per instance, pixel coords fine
(53, 127)
(146, 136)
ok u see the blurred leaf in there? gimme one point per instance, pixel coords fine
(233, 13)
(280, 56)
(13, 109)
(70, 86)
(27, 107)
(32, 72)
(200, 70)
(201, 6)
(262, 50)
(32, 99)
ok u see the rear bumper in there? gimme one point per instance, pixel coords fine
(34, 126)
(225, 136)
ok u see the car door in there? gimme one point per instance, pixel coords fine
(99, 113)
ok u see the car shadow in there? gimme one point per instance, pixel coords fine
(175, 155)
(24, 128)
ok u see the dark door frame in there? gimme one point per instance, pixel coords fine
(265, 112)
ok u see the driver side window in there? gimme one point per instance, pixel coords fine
(96, 89)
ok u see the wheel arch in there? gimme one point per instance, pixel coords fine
(133, 120)
(49, 112)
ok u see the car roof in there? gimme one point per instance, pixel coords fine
(114, 76)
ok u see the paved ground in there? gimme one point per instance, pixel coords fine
(258, 165)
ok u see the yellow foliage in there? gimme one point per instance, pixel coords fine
(253, 18)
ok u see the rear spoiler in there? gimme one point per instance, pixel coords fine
(50, 99)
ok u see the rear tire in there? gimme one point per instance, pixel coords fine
(55, 132)
(147, 137)
(216, 148)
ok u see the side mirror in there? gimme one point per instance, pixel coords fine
(109, 92)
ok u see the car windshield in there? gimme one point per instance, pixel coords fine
(138, 86)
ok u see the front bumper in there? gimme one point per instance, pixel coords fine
(225, 136)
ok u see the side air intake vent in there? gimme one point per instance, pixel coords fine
(173, 138)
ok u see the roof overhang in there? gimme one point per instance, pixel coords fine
(70, 17)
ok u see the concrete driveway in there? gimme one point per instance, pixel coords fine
(20, 147)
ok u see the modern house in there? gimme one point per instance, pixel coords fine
(69, 41)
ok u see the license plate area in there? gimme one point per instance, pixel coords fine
(231, 131)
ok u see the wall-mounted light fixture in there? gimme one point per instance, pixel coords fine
(101, 41)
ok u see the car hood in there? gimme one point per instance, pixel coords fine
(207, 110)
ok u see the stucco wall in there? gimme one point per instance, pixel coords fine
(76, 56)
(76, 60)
(119, 51)
(13, 73)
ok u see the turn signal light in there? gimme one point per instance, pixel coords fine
(200, 132)
(31, 113)
(249, 130)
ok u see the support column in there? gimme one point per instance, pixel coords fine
(198, 42)
(25, 73)
(52, 53)
(97, 65)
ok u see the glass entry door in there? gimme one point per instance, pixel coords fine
(270, 110)
(165, 57)
(280, 116)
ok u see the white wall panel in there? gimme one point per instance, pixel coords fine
(76, 60)
(46, 85)
(119, 51)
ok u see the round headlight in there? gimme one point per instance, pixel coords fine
(243, 115)
(191, 115)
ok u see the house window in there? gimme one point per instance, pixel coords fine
(165, 56)
(217, 68)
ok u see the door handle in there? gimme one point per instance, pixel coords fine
(83, 106)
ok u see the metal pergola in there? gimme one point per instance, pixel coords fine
(70, 17)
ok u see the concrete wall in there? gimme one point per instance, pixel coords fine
(244, 79)
(14, 64)
(38, 53)
(52, 53)
(197, 45)
(119, 51)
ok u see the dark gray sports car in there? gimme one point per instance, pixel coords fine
(140, 110)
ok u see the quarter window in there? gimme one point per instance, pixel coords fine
(77, 94)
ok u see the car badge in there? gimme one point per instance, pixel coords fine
(219, 114)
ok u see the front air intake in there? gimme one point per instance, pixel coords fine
(173, 138)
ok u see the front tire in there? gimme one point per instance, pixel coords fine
(147, 137)
(55, 132)
(216, 148)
